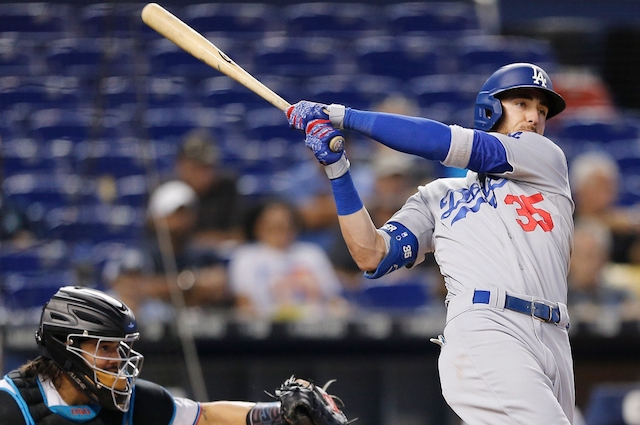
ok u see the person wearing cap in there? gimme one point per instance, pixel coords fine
(220, 205)
(168, 256)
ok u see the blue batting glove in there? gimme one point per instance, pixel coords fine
(303, 112)
(320, 133)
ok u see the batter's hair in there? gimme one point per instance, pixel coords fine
(45, 367)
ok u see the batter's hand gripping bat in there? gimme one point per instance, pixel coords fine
(199, 47)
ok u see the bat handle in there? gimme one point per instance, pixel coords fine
(337, 144)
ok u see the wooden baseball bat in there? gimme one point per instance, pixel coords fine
(199, 47)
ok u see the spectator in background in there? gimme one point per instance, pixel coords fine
(142, 278)
(220, 206)
(595, 179)
(16, 230)
(274, 275)
(591, 299)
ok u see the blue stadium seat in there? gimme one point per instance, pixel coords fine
(110, 19)
(32, 289)
(168, 60)
(32, 19)
(360, 91)
(630, 180)
(236, 19)
(486, 53)
(216, 92)
(602, 132)
(16, 55)
(434, 18)
(400, 57)
(447, 98)
(331, 19)
(52, 124)
(605, 406)
(82, 57)
(54, 91)
(296, 57)
(95, 223)
(26, 189)
(167, 92)
(113, 157)
(399, 298)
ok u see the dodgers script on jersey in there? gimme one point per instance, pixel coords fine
(526, 212)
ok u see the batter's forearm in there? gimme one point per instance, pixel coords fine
(365, 244)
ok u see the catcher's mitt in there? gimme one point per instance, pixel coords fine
(304, 403)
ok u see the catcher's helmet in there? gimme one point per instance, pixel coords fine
(488, 109)
(75, 315)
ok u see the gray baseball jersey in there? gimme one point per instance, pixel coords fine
(512, 230)
(508, 233)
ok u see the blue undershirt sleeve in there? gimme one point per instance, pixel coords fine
(488, 154)
(418, 136)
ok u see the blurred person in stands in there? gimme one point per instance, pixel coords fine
(276, 276)
(88, 373)
(595, 179)
(219, 203)
(16, 230)
(142, 277)
(590, 297)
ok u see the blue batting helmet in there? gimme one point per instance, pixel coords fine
(488, 109)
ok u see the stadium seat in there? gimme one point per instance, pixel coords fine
(630, 180)
(168, 60)
(331, 19)
(403, 57)
(81, 57)
(358, 91)
(16, 55)
(32, 93)
(32, 289)
(295, 57)
(434, 18)
(486, 53)
(112, 157)
(447, 98)
(403, 297)
(236, 19)
(219, 91)
(110, 19)
(166, 92)
(52, 124)
(32, 19)
(606, 404)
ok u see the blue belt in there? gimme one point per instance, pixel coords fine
(532, 308)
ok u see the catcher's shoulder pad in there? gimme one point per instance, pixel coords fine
(304, 403)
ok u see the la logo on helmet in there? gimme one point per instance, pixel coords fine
(538, 77)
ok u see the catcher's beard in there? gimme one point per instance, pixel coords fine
(118, 383)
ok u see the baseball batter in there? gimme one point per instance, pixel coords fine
(502, 237)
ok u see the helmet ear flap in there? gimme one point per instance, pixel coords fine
(488, 112)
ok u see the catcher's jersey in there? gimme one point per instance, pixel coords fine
(512, 230)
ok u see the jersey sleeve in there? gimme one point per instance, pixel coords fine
(416, 216)
(535, 160)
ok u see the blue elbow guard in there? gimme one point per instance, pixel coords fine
(403, 250)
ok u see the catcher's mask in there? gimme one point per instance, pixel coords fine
(89, 335)
(488, 109)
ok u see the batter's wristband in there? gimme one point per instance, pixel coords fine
(338, 168)
(345, 195)
(265, 414)
(336, 115)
